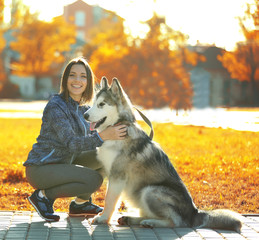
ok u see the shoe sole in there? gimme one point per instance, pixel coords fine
(86, 215)
(47, 219)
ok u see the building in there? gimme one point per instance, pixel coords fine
(85, 17)
(212, 83)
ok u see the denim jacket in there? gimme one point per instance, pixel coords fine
(64, 133)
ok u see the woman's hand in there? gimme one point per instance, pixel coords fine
(117, 132)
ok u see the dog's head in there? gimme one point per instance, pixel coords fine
(111, 106)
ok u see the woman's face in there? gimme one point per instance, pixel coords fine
(77, 81)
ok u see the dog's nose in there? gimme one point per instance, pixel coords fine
(86, 116)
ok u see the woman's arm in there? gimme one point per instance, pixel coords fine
(61, 126)
(66, 135)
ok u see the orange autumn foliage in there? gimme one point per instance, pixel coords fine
(220, 167)
(41, 46)
(156, 65)
(2, 70)
(243, 62)
(2, 44)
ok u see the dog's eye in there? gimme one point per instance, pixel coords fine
(101, 104)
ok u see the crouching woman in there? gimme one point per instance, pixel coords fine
(62, 163)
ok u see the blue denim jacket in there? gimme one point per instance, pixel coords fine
(64, 133)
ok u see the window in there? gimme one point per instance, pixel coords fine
(98, 13)
(80, 35)
(80, 19)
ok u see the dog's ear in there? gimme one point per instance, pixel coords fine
(104, 83)
(116, 87)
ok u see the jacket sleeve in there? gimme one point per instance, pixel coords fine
(66, 135)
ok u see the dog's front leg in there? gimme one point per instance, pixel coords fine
(115, 187)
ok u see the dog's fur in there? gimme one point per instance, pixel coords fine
(138, 167)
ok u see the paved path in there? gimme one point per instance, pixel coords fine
(29, 226)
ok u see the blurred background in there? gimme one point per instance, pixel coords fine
(180, 54)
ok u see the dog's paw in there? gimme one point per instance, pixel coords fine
(100, 219)
(123, 220)
(148, 223)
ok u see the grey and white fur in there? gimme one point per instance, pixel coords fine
(139, 168)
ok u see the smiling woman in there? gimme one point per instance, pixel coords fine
(77, 81)
(65, 148)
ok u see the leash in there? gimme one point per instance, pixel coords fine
(147, 121)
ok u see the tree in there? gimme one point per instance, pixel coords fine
(1, 12)
(2, 71)
(163, 79)
(19, 14)
(152, 70)
(107, 47)
(41, 46)
(243, 62)
(2, 43)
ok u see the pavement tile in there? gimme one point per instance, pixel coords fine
(208, 233)
(183, 232)
(144, 233)
(231, 236)
(29, 226)
(16, 235)
(166, 234)
(123, 232)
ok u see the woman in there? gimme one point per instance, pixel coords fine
(63, 161)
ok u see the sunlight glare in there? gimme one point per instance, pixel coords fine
(7, 11)
(206, 21)
(212, 22)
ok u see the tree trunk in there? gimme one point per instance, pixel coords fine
(252, 78)
(255, 91)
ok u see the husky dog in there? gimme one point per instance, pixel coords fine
(138, 167)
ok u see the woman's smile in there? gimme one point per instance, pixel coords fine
(77, 81)
(76, 86)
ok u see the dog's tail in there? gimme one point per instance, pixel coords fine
(218, 219)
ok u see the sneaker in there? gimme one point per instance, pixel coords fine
(51, 202)
(43, 206)
(87, 209)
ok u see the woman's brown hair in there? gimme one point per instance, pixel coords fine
(89, 91)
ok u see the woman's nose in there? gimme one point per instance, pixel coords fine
(77, 78)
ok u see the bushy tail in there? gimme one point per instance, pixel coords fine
(219, 219)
